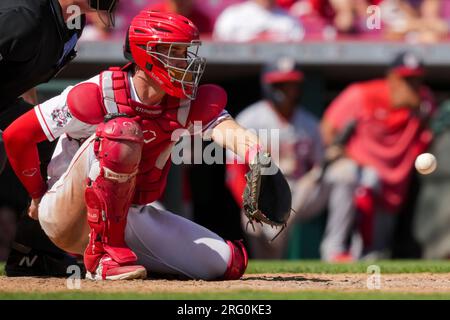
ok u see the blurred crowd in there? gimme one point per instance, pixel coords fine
(415, 21)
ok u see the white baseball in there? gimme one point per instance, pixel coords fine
(426, 163)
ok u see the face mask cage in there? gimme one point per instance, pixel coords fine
(187, 71)
(108, 7)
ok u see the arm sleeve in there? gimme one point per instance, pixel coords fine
(344, 108)
(235, 180)
(21, 139)
(235, 168)
(46, 121)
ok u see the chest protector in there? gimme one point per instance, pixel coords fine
(158, 123)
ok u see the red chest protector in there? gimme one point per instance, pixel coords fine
(89, 103)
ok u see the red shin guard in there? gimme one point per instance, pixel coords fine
(118, 148)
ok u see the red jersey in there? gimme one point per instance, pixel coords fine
(386, 138)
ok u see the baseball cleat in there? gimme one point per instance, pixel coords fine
(108, 269)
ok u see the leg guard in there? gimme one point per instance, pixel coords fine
(118, 147)
(238, 261)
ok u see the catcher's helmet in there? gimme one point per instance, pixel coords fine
(283, 69)
(151, 29)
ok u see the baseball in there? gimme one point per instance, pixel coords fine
(425, 163)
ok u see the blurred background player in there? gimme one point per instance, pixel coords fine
(300, 146)
(390, 117)
(37, 40)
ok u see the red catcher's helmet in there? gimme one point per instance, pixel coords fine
(151, 29)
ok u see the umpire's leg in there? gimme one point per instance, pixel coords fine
(14, 195)
(32, 253)
(2, 153)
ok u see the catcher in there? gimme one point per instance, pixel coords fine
(116, 132)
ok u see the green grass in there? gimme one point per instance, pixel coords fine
(2, 268)
(236, 295)
(314, 266)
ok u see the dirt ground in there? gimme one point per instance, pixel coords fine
(419, 283)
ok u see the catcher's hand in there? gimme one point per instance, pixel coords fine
(267, 197)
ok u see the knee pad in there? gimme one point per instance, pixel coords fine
(118, 145)
(238, 261)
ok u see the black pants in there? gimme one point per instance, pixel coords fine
(12, 192)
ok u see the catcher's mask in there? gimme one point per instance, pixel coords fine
(165, 46)
(185, 69)
(108, 6)
(282, 70)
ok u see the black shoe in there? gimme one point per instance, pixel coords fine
(27, 262)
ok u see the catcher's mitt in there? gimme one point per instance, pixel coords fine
(267, 197)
